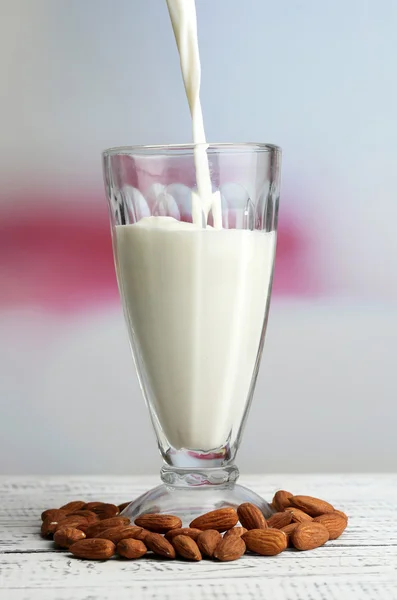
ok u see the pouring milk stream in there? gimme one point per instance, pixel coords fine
(184, 24)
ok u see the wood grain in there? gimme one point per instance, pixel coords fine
(361, 565)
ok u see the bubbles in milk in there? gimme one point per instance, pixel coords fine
(184, 23)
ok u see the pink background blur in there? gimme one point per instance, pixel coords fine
(81, 76)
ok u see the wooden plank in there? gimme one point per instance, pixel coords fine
(21, 497)
(56, 569)
(21, 535)
(213, 589)
(345, 484)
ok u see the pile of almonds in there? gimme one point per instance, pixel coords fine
(96, 531)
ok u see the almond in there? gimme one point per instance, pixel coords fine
(91, 505)
(96, 528)
(288, 529)
(142, 534)
(106, 511)
(251, 517)
(72, 506)
(88, 514)
(333, 522)
(124, 505)
(158, 523)
(311, 506)
(342, 514)
(208, 540)
(130, 548)
(55, 514)
(67, 536)
(267, 542)
(159, 545)
(221, 519)
(308, 536)
(279, 520)
(48, 527)
(230, 548)
(193, 533)
(93, 549)
(281, 500)
(186, 547)
(71, 521)
(116, 534)
(298, 516)
(236, 531)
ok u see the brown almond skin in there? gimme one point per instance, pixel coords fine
(298, 516)
(91, 505)
(116, 534)
(72, 506)
(251, 517)
(267, 542)
(281, 500)
(88, 514)
(93, 549)
(124, 505)
(67, 536)
(333, 522)
(55, 514)
(186, 547)
(130, 548)
(142, 534)
(288, 529)
(106, 511)
(48, 528)
(72, 521)
(96, 528)
(158, 523)
(344, 515)
(279, 520)
(308, 536)
(207, 541)
(221, 519)
(230, 548)
(311, 506)
(192, 533)
(236, 531)
(159, 545)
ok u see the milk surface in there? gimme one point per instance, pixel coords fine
(195, 304)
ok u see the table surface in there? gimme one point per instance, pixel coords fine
(362, 564)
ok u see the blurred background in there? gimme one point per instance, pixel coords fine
(317, 78)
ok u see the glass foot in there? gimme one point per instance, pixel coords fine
(190, 501)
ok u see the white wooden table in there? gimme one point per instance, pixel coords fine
(362, 564)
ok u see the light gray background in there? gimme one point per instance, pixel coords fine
(319, 79)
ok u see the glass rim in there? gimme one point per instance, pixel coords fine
(175, 149)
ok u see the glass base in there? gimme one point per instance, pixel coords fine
(190, 494)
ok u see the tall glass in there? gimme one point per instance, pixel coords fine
(196, 295)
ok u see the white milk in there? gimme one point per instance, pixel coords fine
(195, 303)
(184, 24)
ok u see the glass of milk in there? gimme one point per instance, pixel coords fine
(194, 238)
